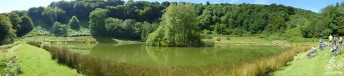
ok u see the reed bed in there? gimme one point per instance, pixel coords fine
(264, 66)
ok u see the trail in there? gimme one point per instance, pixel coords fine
(37, 62)
(321, 65)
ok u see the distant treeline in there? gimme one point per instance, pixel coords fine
(136, 19)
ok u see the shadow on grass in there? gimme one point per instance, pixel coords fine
(105, 40)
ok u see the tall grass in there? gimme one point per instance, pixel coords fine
(264, 66)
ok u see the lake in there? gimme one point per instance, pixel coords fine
(150, 56)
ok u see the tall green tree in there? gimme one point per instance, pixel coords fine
(26, 26)
(74, 23)
(114, 27)
(52, 15)
(15, 20)
(60, 29)
(97, 22)
(7, 34)
(179, 27)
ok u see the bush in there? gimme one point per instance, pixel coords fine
(218, 39)
(37, 44)
(74, 23)
(60, 29)
(228, 38)
(10, 67)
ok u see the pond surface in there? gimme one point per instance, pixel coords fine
(221, 54)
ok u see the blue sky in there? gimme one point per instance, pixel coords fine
(313, 5)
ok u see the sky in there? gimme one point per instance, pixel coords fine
(313, 5)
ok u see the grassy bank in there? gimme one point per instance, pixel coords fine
(317, 66)
(36, 61)
(9, 65)
(264, 66)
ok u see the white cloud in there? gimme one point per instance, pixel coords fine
(261, 1)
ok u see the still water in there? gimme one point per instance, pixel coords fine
(221, 54)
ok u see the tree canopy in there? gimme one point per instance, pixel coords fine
(74, 23)
(26, 26)
(7, 34)
(178, 27)
(97, 24)
(137, 19)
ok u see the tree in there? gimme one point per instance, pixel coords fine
(117, 12)
(179, 27)
(26, 26)
(36, 14)
(113, 26)
(15, 20)
(74, 23)
(52, 15)
(97, 22)
(60, 29)
(129, 29)
(6, 31)
(207, 3)
(146, 29)
(82, 11)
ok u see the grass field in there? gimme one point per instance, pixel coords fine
(317, 66)
(37, 62)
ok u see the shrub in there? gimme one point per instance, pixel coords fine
(228, 38)
(37, 44)
(218, 39)
(74, 23)
(60, 29)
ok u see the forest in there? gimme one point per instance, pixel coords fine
(135, 20)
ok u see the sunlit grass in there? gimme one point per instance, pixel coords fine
(267, 65)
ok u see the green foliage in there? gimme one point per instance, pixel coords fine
(278, 25)
(141, 17)
(178, 27)
(10, 67)
(218, 39)
(127, 29)
(7, 34)
(74, 23)
(52, 15)
(26, 26)
(97, 22)
(156, 37)
(147, 28)
(15, 20)
(36, 14)
(114, 27)
(60, 29)
(330, 21)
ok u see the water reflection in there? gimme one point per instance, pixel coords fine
(140, 54)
